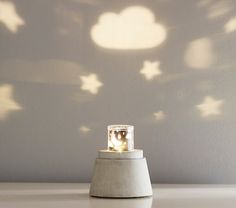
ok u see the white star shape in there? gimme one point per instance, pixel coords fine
(9, 16)
(160, 115)
(150, 69)
(210, 106)
(84, 129)
(7, 103)
(90, 83)
(230, 26)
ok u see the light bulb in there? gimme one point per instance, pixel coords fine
(120, 138)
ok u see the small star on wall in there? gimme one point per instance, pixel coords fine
(90, 83)
(7, 103)
(84, 129)
(160, 115)
(230, 26)
(210, 106)
(150, 69)
(9, 16)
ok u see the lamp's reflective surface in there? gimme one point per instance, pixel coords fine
(120, 137)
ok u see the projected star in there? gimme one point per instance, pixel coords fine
(160, 115)
(150, 69)
(210, 106)
(9, 16)
(90, 83)
(230, 26)
(7, 103)
(84, 129)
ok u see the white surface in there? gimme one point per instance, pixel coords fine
(35, 195)
(137, 153)
(121, 178)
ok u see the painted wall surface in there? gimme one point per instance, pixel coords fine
(70, 68)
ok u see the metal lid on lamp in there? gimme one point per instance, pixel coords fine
(134, 154)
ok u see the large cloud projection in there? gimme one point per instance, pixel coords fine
(133, 28)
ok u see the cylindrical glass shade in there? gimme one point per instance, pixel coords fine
(120, 137)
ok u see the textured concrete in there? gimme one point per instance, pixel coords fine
(120, 178)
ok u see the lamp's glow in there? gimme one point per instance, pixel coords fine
(120, 137)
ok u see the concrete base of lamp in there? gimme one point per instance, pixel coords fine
(121, 175)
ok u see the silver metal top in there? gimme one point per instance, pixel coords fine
(134, 154)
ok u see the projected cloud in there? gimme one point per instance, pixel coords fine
(210, 106)
(7, 103)
(9, 16)
(132, 28)
(199, 54)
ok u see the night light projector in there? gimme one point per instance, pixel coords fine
(120, 171)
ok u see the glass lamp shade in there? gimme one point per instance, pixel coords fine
(120, 138)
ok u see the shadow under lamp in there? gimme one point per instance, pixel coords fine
(120, 171)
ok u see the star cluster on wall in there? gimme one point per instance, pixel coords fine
(133, 28)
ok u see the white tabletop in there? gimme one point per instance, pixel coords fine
(70, 195)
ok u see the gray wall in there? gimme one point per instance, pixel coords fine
(51, 127)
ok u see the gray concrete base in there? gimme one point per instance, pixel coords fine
(120, 178)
